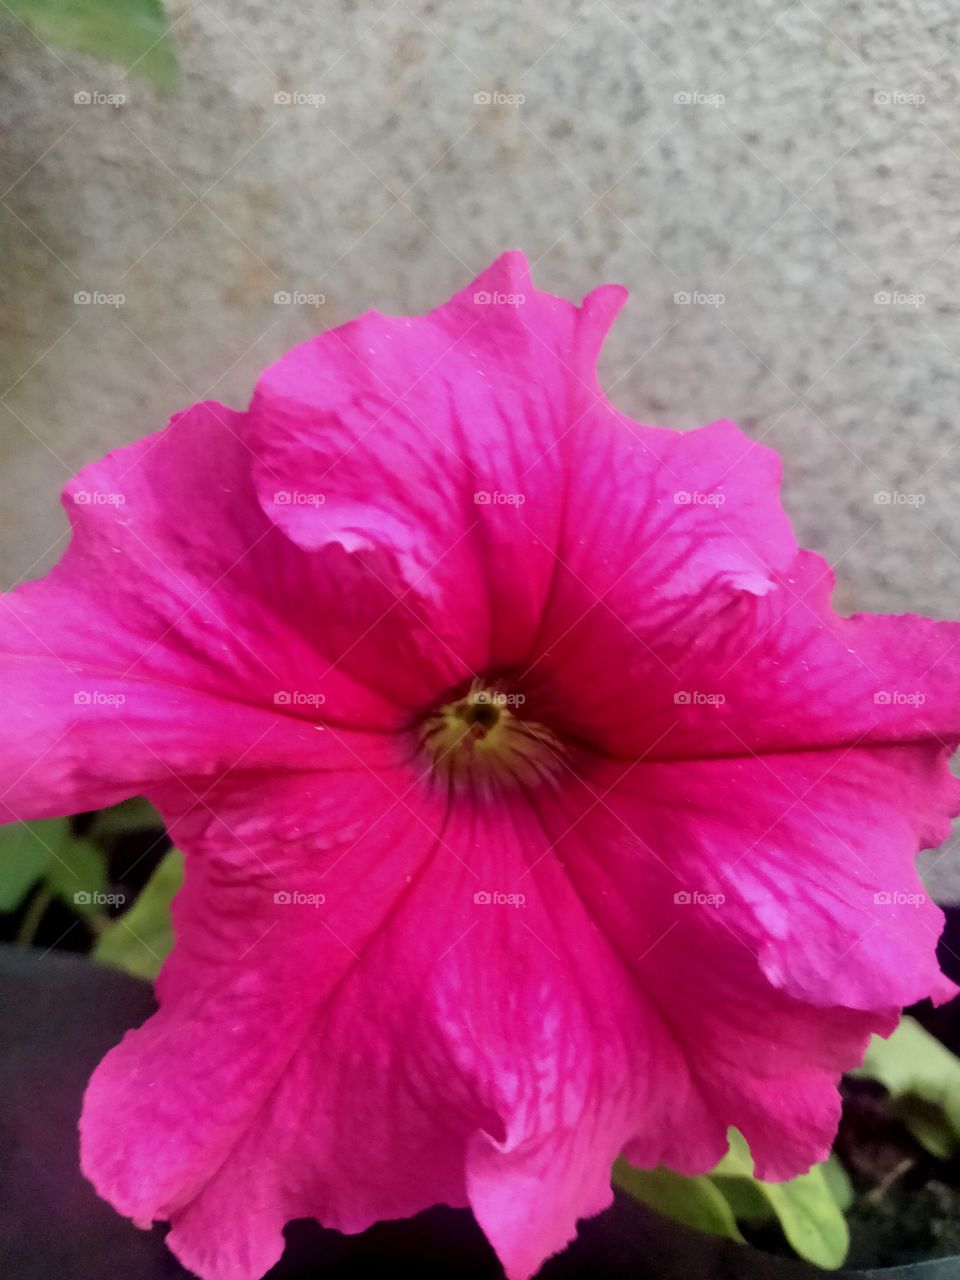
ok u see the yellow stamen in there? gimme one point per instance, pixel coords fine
(482, 739)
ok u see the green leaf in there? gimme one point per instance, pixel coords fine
(738, 1162)
(78, 875)
(745, 1198)
(26, 850)
(928, 1125)
(694, 1201)
(140, 940)
(807, 1207)
(922, 1077)
(811, 1219)
(838, 1182)
(136, 814)
(133, 33)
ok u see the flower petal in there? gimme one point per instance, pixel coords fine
(175, 636)
(647, 857)
(220, 1069)
(431, 449)
(793, 674)
(813, 855)
(682, 658)
(489, 1003)
(370, 1055)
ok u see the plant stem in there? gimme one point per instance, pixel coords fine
(33, 916)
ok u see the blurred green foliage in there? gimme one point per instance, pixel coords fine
(45, 857)
(922, 1078)
(133, 33)
(60, 860)
(140, 940)
(810, 1208)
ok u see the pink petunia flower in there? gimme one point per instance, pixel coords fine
(537, 806)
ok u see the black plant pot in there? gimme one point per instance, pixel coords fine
(61, 1014)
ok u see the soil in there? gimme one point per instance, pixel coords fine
(907, 1203)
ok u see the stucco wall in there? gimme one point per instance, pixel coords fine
(816, 166)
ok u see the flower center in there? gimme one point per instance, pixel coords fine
(482, 738)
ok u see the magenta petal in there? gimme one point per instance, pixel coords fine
(852, 682)
(645, 572)
(434, 451)
(750, 1051)
(370, 1042)
(167, 642)
(361, 1057)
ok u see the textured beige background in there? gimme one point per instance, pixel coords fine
(828, 174)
